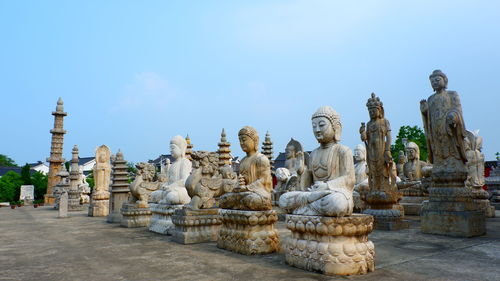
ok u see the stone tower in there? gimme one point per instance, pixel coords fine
(74, 182)
(189, 149)
(267, 148)
(224, 150)
(119, 188)
(56, 149)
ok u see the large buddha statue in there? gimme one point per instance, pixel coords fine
(173, 192)
(330, 173)
(253, 192)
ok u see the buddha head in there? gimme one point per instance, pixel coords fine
(292, 148)
(249, 139)
(326, 125)
(375, 107)
(401, 157)
(412, 151)
(360, 153)
(439, 81)
(178, 146)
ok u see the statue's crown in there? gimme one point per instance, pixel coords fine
(374, 101)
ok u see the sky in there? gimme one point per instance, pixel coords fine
(133, 74)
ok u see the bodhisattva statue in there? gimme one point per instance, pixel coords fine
(329, 175)
(450, 210)
(143, 185)
(253, 192)
(205, 182)
(173, 192)
(102, 173)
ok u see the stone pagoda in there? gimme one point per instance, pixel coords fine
(61, 187)
(56, 149)
(74, 193)
(189, 149)
(119, 188)
(224, 151)
(267, 148)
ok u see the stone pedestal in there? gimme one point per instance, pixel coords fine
(387, 213)
(98, 208)
(135, 217)
(74, 201)
(452, 211)
(117, 199)
(63, 205)
(481, 198)
(248, 232)
(196, 226)
(412, 205)
(161, 221)
(330, 245)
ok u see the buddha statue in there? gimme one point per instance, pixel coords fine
(253, 192)
(360, 166)
(475, 160)
(102, 173)
(400, 165)
(329, 175)
(173, 192)
(414, 170)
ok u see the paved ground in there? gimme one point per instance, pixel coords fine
(36, 245)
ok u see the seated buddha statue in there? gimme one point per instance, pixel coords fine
(253, 192)
(413, 172)
(329, 177)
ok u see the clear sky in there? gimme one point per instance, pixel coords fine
(133, 74)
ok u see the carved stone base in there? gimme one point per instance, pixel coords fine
(330, 245)
(485, 206)
(74, 201)
(388, 219)
(99, 208)
(135, 217)
(161, 221)
(196, 226)
(412, 204)
(248, 232)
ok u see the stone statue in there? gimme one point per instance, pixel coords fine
(413, 172)
(99, 205)
(450, 210)
(173, 192)
(253, 192)
(383, 193)
(143, 185)
(205, 182)
(475, 166)
(84, 188)
(330, 173)
(400, 166)
(361, 174)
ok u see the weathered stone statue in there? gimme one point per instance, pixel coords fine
(475, 168)
(99, 205)
(84, 188)
(247, 215)
(173, 194)
(199, 221)
(136, 212)
(321, 216)
(413, 185)
(383, 194)
(401, 162)
(361, 174)
(450, 210)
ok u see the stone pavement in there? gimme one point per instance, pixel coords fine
(36, 245)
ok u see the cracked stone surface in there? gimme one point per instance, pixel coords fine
(36, 245)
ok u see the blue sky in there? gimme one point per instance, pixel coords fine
(133, 74)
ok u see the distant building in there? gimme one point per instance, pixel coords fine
(40, 167)
(87, 163)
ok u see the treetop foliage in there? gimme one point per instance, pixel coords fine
(411, 134)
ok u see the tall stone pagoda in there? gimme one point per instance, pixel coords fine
(56, 149)
(189, 149)
(267, 148)
(224, 150)
(119, 188)
(74, 183)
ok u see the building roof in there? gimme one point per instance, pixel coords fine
(85, 160)
(4, 170)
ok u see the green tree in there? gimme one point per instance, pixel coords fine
(10, 186)
(90, 180)
(5, 161)
(132, 170)
(40, 181)
(26, 174)
(411, 134)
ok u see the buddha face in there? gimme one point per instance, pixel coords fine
(374, 112)
(412, 153)
(359, 155)
(247, 144)
(323, 130)
(437, 82)
(175, 150)
(290, 152)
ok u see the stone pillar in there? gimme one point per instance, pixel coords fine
(63, 205)
(330, 245)
(56, 149)
(99, 203)
(119, 188)
(74, 193)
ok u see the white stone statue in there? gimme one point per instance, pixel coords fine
(173, 192)
(102, 173)
(83, 187)
(475, 159)
(329, 175)
(360, 165)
